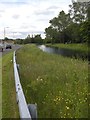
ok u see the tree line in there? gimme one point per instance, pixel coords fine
(73, 27)
(33, 39)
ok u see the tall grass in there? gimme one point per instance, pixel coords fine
(9, 105)
(0, 85)
(59, 85)
(77, 47)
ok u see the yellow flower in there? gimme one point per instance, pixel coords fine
(68, 114)
(66, 102)
(67, 107)
(57, 99)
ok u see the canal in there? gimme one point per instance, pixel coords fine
(64, 52)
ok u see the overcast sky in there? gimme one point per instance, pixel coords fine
(23, 17)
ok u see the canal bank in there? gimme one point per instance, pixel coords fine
(74, 51)
(55, 83)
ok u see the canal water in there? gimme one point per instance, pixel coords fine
(64, 52)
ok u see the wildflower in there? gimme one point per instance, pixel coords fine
(67, 107)
(67, 99)
(78, 93)
(85, 98)
(68, 114)
(57, 99)
(66, 102)
(54, 100)
(46, 95)
(41, 79)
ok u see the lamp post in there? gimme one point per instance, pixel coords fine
(5, 32)
(13, 35)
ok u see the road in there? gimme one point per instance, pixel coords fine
(5, 51)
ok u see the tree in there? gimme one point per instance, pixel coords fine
(88, 11)
(61, 22)
(19, 41)
(78, 12)
(55, 32)
(38, 39)
(6, 38)
(73, 27)
(85, 31)
(27, 40)
(52, 34)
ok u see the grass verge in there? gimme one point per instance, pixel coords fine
(77, 47)
(0, 85)
(9, 106)
(59, 85)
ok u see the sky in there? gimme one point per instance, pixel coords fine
(22, 17)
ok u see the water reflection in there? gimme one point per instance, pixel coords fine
(63, 52)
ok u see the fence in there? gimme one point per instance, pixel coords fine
(23, 107)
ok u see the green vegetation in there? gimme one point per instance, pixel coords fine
(59, 85)
(76, 47)
(9, 105)
(34, 39)
(82, 50)
(73, 27)
(0, 87)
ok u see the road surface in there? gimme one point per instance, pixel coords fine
(5, 51)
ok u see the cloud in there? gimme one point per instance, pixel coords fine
(24, 34)
(2, 11)
(42, 19)
(27, 27)
(10, 2)
(29, 16)
(52, 7)
(46, 12)
(15, 16)
(0, 15)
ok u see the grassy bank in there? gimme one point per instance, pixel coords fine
(77, 47)
(58, 85)
(0, 86)
(9, 105)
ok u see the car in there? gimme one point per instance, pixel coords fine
(8, 46)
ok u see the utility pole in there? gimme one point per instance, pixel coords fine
(4, 37)
(5, 31)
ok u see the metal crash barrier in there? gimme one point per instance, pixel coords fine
(26, 111)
